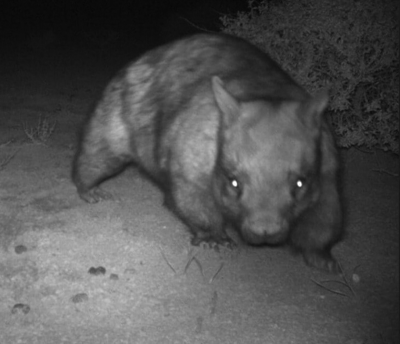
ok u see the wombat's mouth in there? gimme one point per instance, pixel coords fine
(269, 239)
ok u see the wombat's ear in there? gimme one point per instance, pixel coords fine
(315, 108)
(229, 106)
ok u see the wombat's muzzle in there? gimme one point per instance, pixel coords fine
(259, 235)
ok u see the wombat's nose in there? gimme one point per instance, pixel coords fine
(266, 233)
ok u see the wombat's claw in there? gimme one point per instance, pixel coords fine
(213, 242)
(95, 195)
(228, 243)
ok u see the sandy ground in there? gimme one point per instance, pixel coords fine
(154, 287)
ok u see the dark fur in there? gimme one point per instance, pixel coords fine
(229, 137)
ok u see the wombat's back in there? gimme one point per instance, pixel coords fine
(169, 83)
(184, 67)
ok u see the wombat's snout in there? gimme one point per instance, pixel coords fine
(265, 232)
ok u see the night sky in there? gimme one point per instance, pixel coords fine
(149, 21)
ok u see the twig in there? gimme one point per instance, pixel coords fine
(195, 26)
(199, 265)
(7, 159)
(6, 143)
(166, 260)
(216, 274)
(344, 283)
(187, 264)
(326, 288)
(345, 280)
(387, 172)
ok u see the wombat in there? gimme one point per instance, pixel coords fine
(231, 140)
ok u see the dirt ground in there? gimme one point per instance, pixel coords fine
(147, 284)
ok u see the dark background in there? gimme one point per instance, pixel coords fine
(144, 23)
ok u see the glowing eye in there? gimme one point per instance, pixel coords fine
(234, 183)
(300, 183)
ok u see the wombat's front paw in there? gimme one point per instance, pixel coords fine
(323, 261)
(95, 195)
(213, 241)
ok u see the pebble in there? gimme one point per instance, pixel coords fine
(81, 297)
(97, 271)
(20, 249)
(20, 308)
(114, 277)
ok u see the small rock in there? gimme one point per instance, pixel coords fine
(97, 271)
(20, 249)
(114, 277)
(101, 270)
(20, 308)
(81, 297)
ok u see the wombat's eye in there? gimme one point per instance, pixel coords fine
(234, 183)
(300, 183)
(300, 187)
(234, 186)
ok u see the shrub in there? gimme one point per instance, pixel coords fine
(348, 46)
(42, 132)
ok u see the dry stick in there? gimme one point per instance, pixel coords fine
(345, 283)
(339, 282)
(215, 275)
(199, 265)
(187, 264)
(195, 26)
(331, 290)
(6, 143)
(191, 259)
(7, 159)
(345, 280)
(387, 172)
(166, 260)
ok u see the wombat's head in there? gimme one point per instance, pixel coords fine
(268, 165)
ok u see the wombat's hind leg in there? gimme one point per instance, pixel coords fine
(90, 170)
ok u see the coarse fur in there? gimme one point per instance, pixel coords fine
(230, 138)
